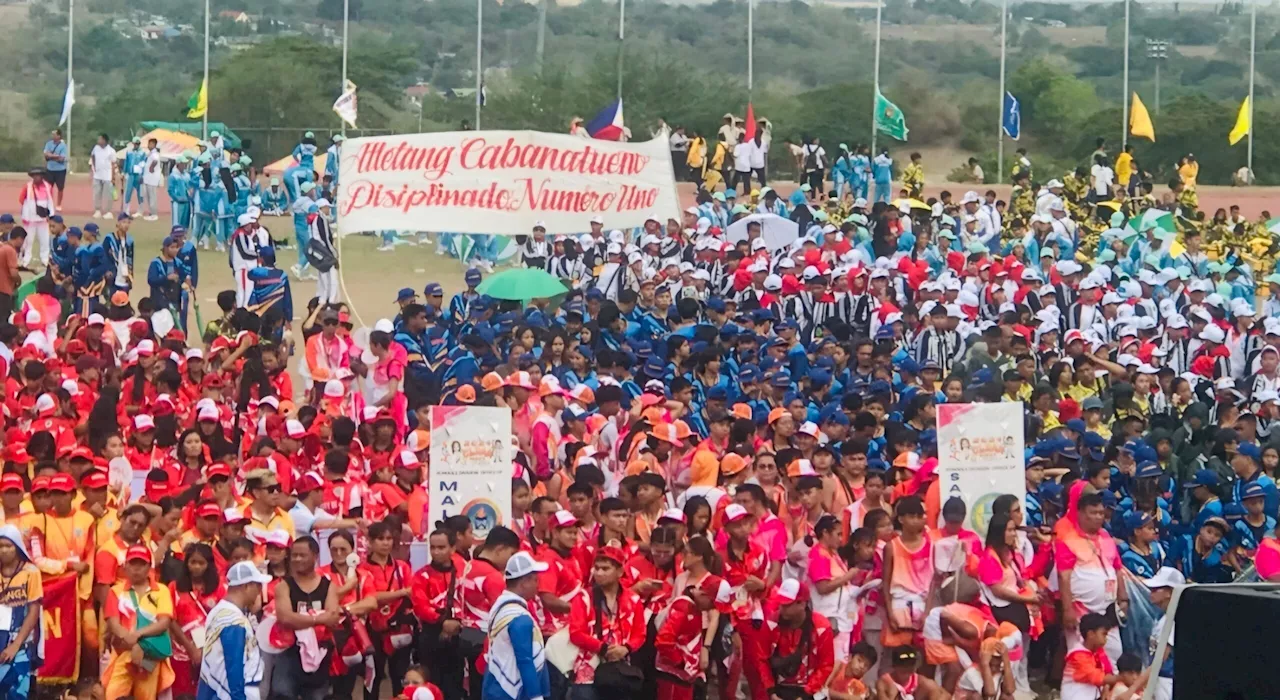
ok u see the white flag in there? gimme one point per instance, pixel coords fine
(67, 101)
(346, 104)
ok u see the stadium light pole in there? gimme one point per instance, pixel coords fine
(622, 34)
(1253, 44)
(204, 119)
(875, 90)
(346, 19)
(751, 47)
(1124, 127)
(71, 47)
(479, 58)
(1004, 26)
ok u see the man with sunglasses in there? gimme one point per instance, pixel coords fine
(264, 511)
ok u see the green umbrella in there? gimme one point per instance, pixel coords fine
(522, 285)
(27, 289)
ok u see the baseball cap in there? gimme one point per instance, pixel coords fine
(563, 518)
(1136, 520)
(94, 479)
(307, 483)
(243, 573)
(791, 591)
(520, 564)
(406, 293)
(12, 482)
(433, 289)
(734, 513)
(1166, 577)
(138, 552)
(209, 510)
(62, 482)
(234, 515)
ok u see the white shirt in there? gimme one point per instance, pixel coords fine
(1103, 177)
(101, 158)
(304, 519)
(759, 154)
(742, 156)
(818, 151)
(152, 178)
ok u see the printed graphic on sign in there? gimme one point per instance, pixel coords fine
(502, 182)
(980, 456)
(470, 470)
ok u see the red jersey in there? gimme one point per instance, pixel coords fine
(816, 663)
(392, 576)
(481, 586)
(434, 594)
(754, 562)
(562, 579)
(679, 640)
(593, 628)
(641, 568)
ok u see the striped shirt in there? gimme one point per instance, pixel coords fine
(230, 652)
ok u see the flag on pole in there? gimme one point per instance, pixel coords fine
(889, 119)
(68, 100)
(1139, 121)
(1011, 116)
(198, 103)
(1243, 124)
(346, 106)
(750, 131)
(607, 125)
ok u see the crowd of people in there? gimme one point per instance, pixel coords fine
(725, 474)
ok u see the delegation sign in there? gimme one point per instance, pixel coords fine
(502, 182)
(470, 470)
(980, 456)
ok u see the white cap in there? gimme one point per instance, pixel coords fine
(520, 564)
(809, 428)
(71, 387)
(773, 283)
(789, 590)
(143, 421)
(701, 274)
(97, 320)
(45, 403)
(245, 219)
(970, 197)
(207, 413)
(811, 272)
(270, 401)
(673, 514)
(1213, 334)
(597, 219)
(1053, 183)
(276, 538)
(1112, 298)
(245, 572)
(758, 266)
(1166, 577)
(734, 512)
(294, 429)
(1214, 299)
(1090, 282)
(614, 249)
(757, 244)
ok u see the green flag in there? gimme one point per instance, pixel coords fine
(889, 119)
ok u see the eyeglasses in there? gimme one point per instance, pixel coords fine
(272, 489)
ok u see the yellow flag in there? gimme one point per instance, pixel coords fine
(1243, 124)
(198, 103)
(1139, 121)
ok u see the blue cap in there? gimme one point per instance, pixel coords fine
(785, 325)
(168, 241)
(879, 386)
(1234, 511)
(717, 393)
(123, 216)
(1051, 491)
(1148, 470)
(472, 277)
(595, 293)
(886, 332)
(748, 374)
(177, 230)
(782, 379)
(1252, 490)
(479, 306)
(91, 227)
(1076, 425)
(1204, 477)
(643, 349)
(1094, 441)
(1109, 499)
(819, 377)
(790, 397)
(586, 353)
(74, 231)
(1250, 450)
(1136, 520)
(698, 347)
(433, 289)
(572, 413)
(537, 319)
(825, 362)
(730, 194)
(56, 218)
(654, 367)
(6, 218)
(909, 366)
(406, 293)
(761, 316)
(716, 304)
(838, 417)
(730, 330)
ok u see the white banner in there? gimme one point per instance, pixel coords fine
(502, 182)
(980, 456)
(471, 466)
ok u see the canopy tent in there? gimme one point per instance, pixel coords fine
(196, 129)
(170, 143)
(277, 168)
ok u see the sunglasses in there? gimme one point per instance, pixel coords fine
(272, 489)
(331, 322)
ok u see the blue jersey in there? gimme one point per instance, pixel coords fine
(134, 159)
(165, 293)
(179, 186)
(63, 256)
(189, 263)
(1272, 497)
(1144, 565)
(90, 265)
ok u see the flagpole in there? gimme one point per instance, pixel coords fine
(751, 47)
(71, 32)
(1253, 42)
(479, 57)
(1124, 131)
(622, 24)
(876, 78)
(1004, 19)
(346, 18)
(204, 119)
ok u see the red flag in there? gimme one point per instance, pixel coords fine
(750, 131)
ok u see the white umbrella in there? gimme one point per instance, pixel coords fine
(775, 231)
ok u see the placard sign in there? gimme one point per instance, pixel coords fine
(470, 470)
(980, 455)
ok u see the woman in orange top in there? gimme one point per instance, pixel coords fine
(908, 576)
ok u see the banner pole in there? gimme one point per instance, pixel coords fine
(1004, 22)
(1124, 130)
(876, 78)
(479, 57)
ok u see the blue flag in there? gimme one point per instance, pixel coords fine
(1011, 116)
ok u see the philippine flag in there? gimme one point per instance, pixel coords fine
(607, 124)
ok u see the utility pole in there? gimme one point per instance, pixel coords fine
(1124, 126)
(1004, 26)
(1158, 52)
(542, 35)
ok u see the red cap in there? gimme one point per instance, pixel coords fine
(217, 469)
(16, 453)
(209, 510)
(12, 482)
(40, 483)
(307, 483)
(211, 381)
(612, 553)
(62, 482)
(155, 490)
(138, 552)
(76, 347)
(95, 479)
(82, 452)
